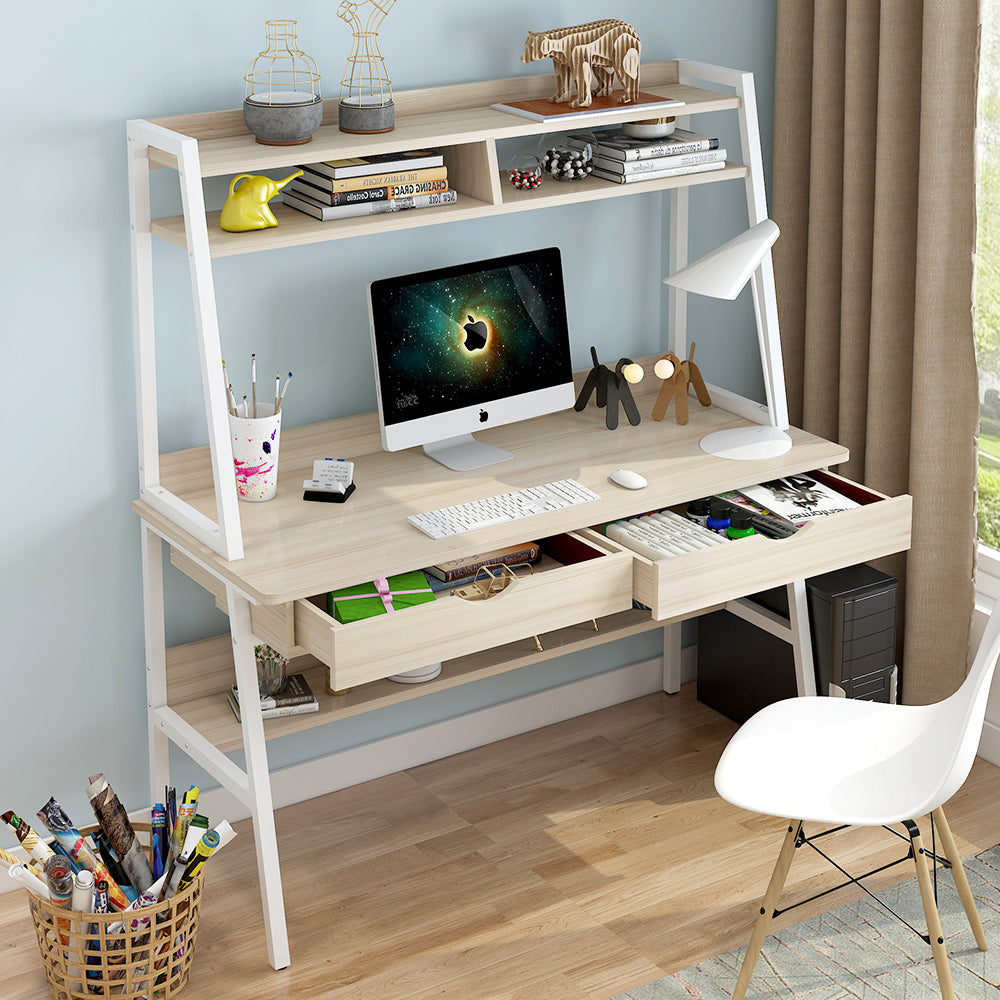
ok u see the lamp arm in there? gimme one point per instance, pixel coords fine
(765, 307)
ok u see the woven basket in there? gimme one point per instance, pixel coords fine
(149, 957)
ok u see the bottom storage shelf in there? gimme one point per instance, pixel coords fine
(200, 674)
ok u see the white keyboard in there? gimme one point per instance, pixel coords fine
(501, 509)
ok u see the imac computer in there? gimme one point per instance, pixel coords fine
(462, 348)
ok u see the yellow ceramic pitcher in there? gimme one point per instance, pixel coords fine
(246, 207)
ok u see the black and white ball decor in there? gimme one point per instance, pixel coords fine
(565, 164)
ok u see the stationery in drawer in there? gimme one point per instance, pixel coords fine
(684, 583)
(595, 580)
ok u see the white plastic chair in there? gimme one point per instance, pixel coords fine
(860, 763)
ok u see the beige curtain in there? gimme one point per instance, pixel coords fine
(874, 193)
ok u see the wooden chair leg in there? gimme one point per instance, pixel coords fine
(771, 897)
(934, 930)
(961, 882)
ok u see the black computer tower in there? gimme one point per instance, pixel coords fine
(852, 616)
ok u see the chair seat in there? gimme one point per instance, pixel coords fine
(836, 760)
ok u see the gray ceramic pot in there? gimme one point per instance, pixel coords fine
(366, 118)
(282, 124)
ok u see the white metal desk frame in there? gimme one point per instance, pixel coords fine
(252, 786)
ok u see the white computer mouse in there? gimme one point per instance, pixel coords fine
(630, 480)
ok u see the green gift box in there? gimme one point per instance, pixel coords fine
(382, 595)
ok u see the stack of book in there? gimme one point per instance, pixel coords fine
(295, 699)
(623, 159)
(370, 185)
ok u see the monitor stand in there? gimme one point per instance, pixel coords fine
(464, 453)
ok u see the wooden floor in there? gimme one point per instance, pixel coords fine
(577, 861)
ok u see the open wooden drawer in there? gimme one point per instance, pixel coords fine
(686, 584)
(554, 596)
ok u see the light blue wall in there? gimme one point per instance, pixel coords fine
(74, 699)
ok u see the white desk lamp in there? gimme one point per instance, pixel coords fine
(721, 274)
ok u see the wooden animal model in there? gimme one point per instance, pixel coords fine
(247, 207)
(581, 53)
(675, 387)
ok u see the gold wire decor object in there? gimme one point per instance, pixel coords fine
(282, 73)
(491, 581)
(366, 90)
(282, 104)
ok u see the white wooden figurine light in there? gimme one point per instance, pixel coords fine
(721, 274)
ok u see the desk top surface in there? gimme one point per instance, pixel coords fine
(296, 548)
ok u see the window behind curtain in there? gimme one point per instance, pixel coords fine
(987, 292)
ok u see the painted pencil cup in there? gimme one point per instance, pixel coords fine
(255, 452)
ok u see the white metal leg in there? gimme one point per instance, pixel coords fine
(156, 660)
(798, 619)
(259, 799)
(794, 630)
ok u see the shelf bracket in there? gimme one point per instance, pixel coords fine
(223, 535)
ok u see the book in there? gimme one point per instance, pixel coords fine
(326, 213)
(652, 175)
(377, 163)
(353, 197)
(656, 163)
(798, 498)
(385, 179)
(541, 109)
(614, 143)
(296, 699)
(457, 569)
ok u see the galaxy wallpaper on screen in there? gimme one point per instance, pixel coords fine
(468, 338)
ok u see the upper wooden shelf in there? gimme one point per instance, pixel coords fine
(435, 116)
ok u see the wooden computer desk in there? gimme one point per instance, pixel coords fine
(295, 551)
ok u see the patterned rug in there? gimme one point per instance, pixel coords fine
(860, 951)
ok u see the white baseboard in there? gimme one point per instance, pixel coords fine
(355, 765)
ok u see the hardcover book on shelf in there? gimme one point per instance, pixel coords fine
(458, 569)
(327, 213)
(614, 143)
(652, 175)
(353, 197)
(541, 109)
(654, 163)
(377, 163)
(799, 498)
(377, 180)
(296, 699)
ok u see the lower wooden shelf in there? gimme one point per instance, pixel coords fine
(199, 675)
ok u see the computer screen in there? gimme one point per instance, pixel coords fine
(466, 347)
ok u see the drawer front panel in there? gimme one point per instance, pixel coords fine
(684, 585)
(405, 640)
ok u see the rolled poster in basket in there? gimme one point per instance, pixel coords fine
(61, 826)
(117, 828)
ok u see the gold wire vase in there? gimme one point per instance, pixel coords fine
(366, 90)
(282, 105)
